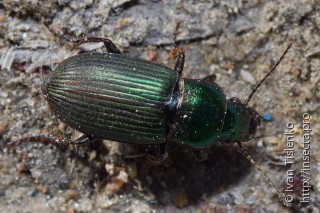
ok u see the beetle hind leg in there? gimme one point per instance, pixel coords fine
(54, 139)
(42, 138)
(110, 46)
(162, 150)
(84, 139)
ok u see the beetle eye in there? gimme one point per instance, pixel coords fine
(254, 121)
(235, 100)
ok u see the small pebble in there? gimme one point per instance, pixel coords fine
(273, 140)
(296, 72)
(41, 188)
(114, 185)
(84, 205)
(123, 176)
(248, 77)
(181, 199)
(70, 194)
(238, 198)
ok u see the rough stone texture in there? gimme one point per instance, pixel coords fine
(236, 40)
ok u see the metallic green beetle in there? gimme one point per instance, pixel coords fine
(116, 97)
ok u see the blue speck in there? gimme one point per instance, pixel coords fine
(267, 117)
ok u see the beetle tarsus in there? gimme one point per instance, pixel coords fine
(42, 138)
(175, 34)
(177, 52)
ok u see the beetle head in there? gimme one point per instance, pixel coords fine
(255, 120)
(240, 123)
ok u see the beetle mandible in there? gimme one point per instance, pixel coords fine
(117, 97)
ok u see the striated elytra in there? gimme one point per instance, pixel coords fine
(117, 97)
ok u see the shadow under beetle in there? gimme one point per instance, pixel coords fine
(117, 97)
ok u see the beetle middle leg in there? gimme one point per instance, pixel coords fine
(110, 46)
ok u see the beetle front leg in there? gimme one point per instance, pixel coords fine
(110, 46)
(209, 78)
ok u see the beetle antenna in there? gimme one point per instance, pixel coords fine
(268, 74)
(255, 164)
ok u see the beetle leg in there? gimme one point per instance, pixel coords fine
(110, 46)
(43, 138)
(209, 78)
(162, 150)
(84, 139)
(179, 54)
(176, 32)
(54, 139)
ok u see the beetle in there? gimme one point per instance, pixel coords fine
(130, 100)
